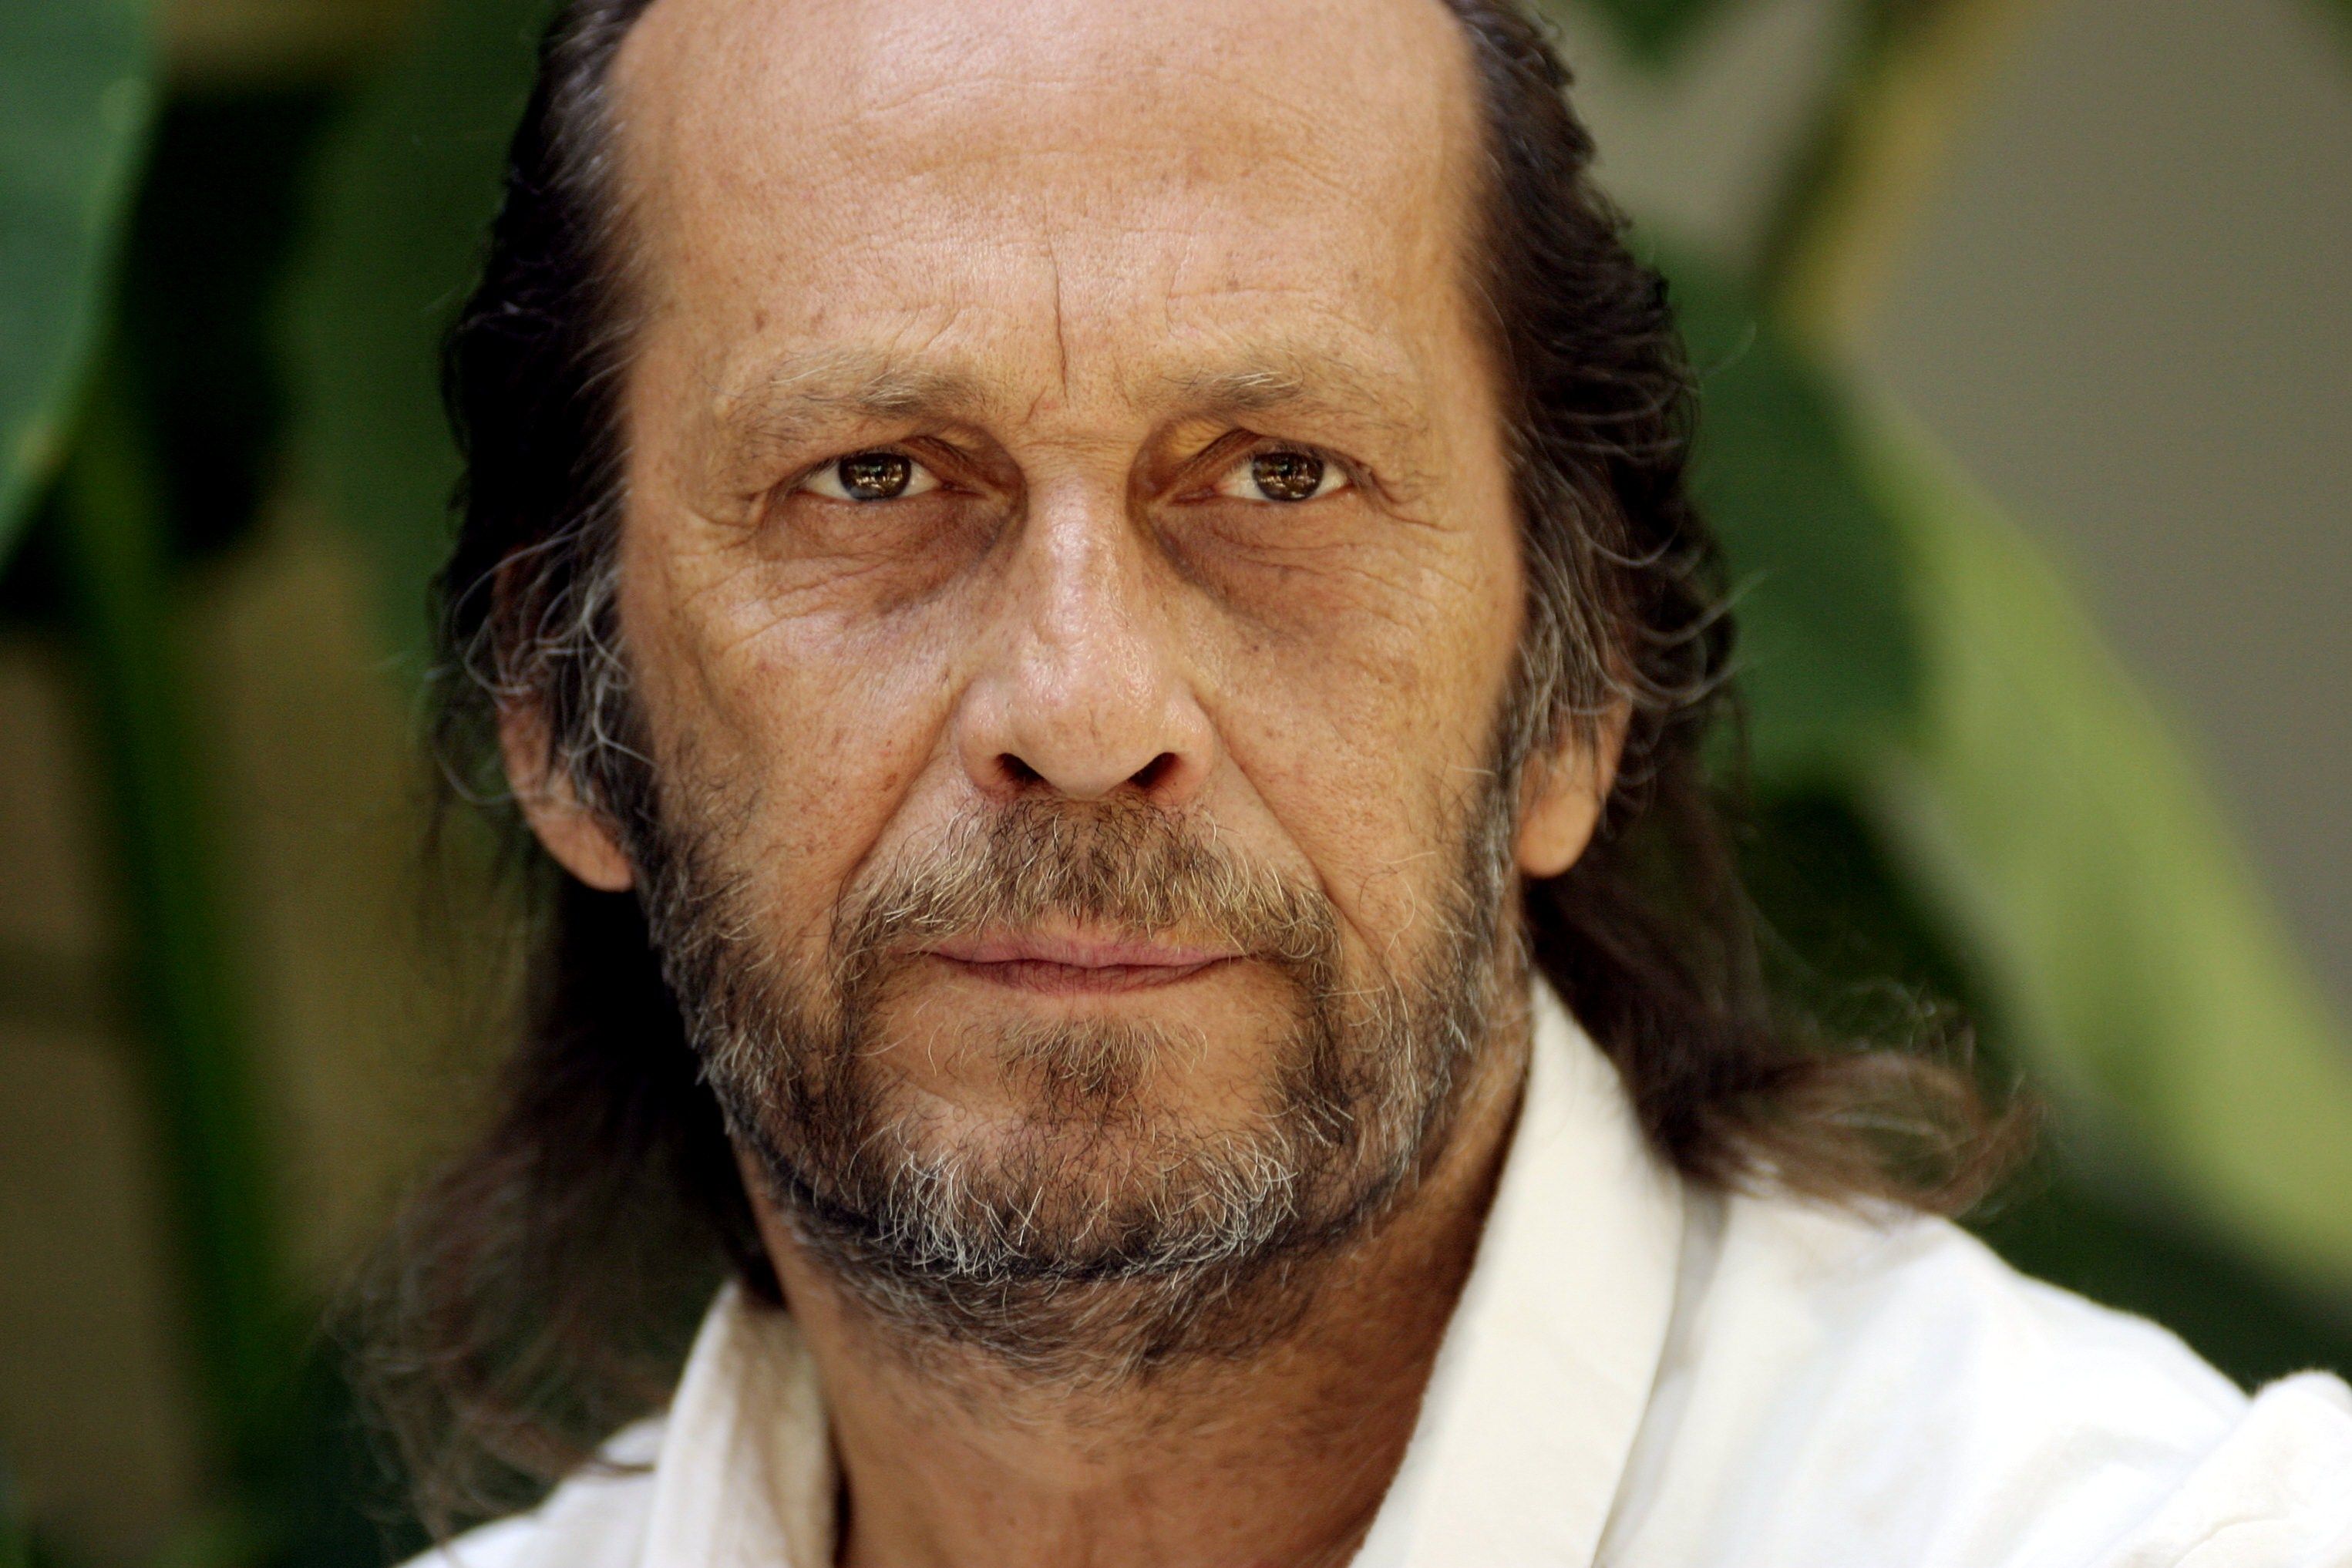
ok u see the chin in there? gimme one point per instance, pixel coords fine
(1116, 1079)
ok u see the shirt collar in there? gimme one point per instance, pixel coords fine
(1525, 1428)
(745, 1476)
(1547, 1368)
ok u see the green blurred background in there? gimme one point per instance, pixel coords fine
(2027, 355)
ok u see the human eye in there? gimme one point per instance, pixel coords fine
(883, 474)
(1283, 475)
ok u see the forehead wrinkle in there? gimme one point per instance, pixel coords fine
(672, 163)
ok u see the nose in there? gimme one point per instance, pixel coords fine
(1084, 693)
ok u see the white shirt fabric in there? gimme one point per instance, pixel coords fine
(1641, 1375)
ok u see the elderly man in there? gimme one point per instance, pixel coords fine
(1096, 606)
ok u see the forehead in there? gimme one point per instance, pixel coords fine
(1137, 178)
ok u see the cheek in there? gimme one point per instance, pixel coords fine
(1362, 718)
(796, 734)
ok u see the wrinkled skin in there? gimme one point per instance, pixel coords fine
(1090, 275)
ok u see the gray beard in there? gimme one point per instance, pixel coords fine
(1096, 1237)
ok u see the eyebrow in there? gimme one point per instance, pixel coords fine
(788, 401)
(1314, 381)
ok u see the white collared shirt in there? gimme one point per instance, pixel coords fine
(1641, 1375)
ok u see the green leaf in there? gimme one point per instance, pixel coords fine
(1904, 646)
(1654, 32)
(215, 1154)
(1827, 658)
(75, 96)
(404, 193)
(2044, 807)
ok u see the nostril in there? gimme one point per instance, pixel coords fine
(1153, 774)
(1012, 773)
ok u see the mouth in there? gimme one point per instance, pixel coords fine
(1064, 963)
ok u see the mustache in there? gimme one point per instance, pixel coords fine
(1121, 865)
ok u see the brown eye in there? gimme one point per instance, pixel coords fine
(874, 475)
(1284, 475)
(1287, 476)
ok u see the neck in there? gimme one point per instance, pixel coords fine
(1276, 1457)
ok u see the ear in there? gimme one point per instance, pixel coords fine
(579, 837)
(1561, 795)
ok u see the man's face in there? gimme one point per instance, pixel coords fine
(1070, 583)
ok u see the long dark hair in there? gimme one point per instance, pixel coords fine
(536, 1295)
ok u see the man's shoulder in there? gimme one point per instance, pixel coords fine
(1890, 1298)
(1923, 1391)
(595, 1519)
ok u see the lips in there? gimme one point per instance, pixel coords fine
(1072, 961)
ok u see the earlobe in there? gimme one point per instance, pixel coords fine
(1562, 795)
(578, 837)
